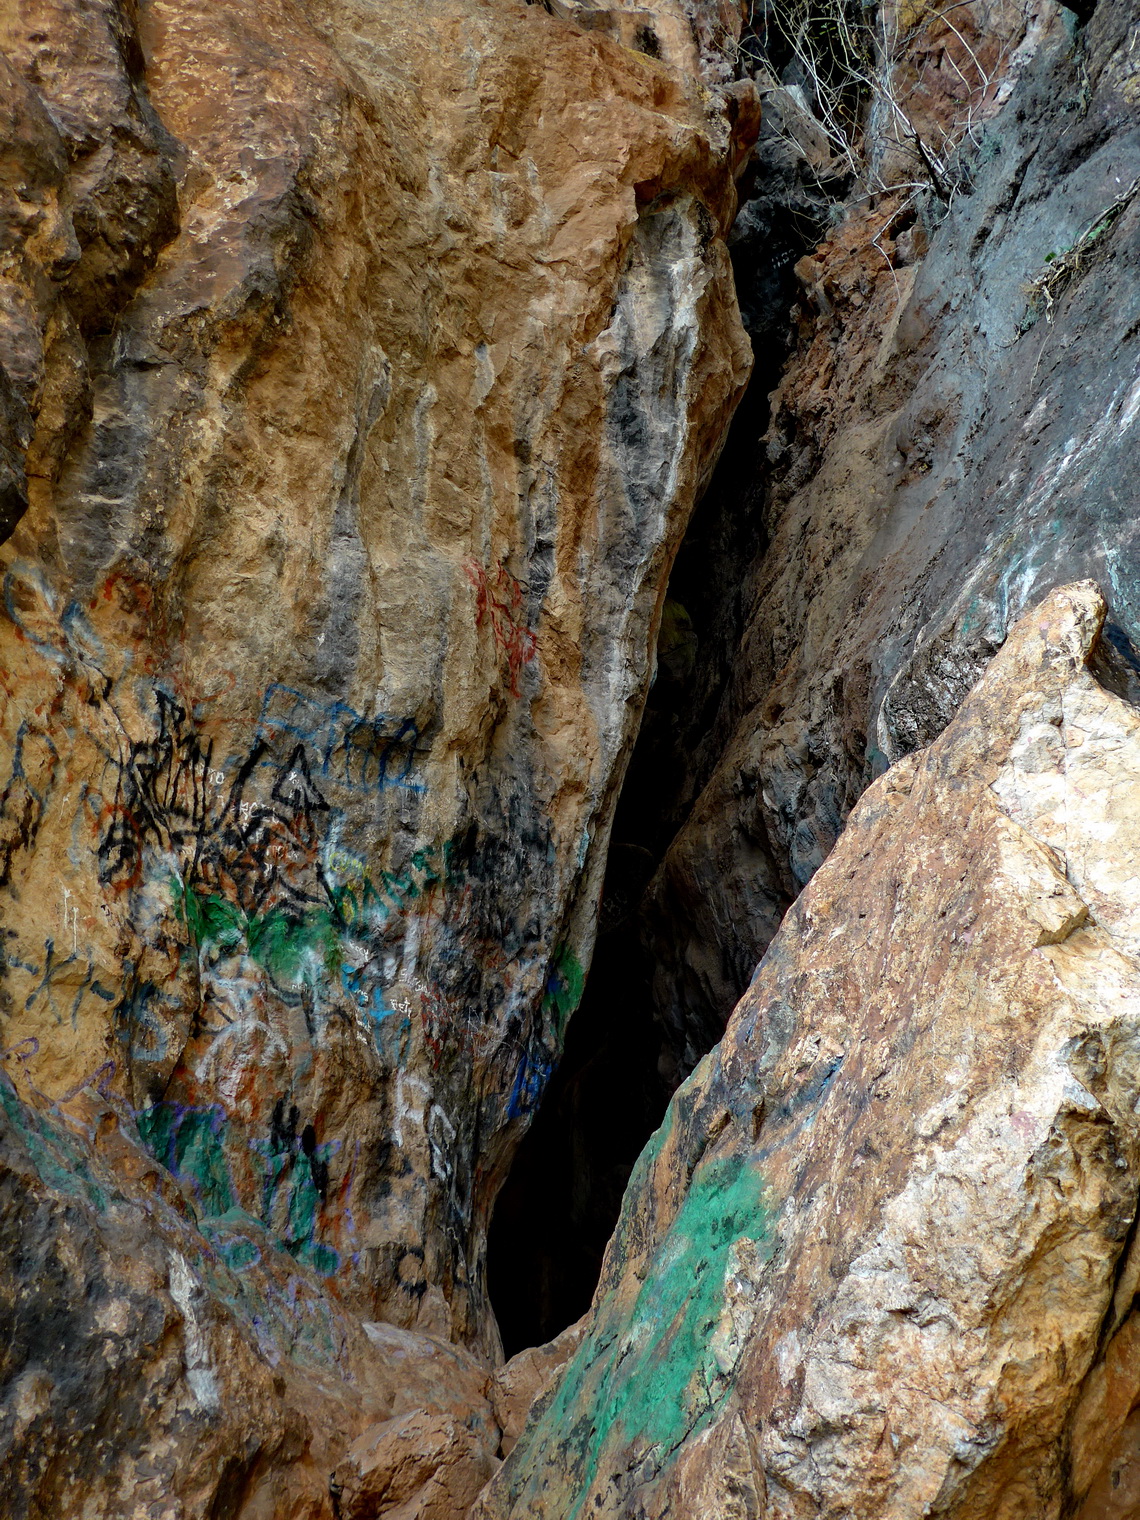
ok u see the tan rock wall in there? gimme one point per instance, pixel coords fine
(386, 351)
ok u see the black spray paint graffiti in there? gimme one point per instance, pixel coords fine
(249, 845)
(21, 802)
(170, 795)
(61, 982)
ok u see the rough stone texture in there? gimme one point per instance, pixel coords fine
(155, 1365)
(940, 455)
(419, 1464)
(525, 1377)
(880, 1258)
(697, 37)
(360, 363)
(369, 358)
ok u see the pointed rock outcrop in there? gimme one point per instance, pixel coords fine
(880, 1261)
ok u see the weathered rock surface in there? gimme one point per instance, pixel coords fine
(788, 588)
(943, 449)
(526, 1377)
(360, 364)
(880, 1259)
(364, 407)
(420, 1465)
(157, 1364)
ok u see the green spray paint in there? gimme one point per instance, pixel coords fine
(361, 900)
(291, 1201)
(210, 920)
(281, 943)
(655, 1379)
(286, 1315)
(190, 1143)
(56, 1157)
(565, 983)
(288, 948)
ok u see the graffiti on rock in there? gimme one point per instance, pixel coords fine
(500, 604)
(364, 754)
(194, 1144)
(654, 1372)
(286, 1312)
(251, 900)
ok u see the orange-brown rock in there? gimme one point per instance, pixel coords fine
(359, 366)
(526, 1377)
(879, 1260)
(326, 633)
(420, 1465)
(158, 1365)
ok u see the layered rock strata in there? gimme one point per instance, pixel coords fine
(880, 1258)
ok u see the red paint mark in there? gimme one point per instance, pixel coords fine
(499, 601)
(1025, 1124)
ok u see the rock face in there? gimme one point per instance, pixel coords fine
(157, 1363)
(363, 362)
(819, 564)
(879, 1261)
(518, 1382)
(360, 364)
(954, 434)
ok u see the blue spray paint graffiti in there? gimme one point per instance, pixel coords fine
(366, 754)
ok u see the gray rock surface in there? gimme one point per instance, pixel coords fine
(942, 450)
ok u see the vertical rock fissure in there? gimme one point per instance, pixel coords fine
(622, 1060)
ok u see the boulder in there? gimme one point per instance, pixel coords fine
(879, 1261)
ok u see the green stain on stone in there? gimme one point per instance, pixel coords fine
(565, 984)
(288, 947)
(653, 1380)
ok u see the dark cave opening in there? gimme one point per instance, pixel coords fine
(561, 1200)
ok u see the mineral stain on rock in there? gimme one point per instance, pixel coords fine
(390, 615)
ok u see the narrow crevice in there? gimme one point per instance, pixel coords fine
(560, 1203)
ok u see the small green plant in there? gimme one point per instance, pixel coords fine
(1063, 267)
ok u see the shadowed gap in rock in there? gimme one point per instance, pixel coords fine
(561, 1200)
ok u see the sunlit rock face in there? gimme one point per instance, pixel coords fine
(879, 1260)
(361, 364)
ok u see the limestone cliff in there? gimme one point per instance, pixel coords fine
(361, 363)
